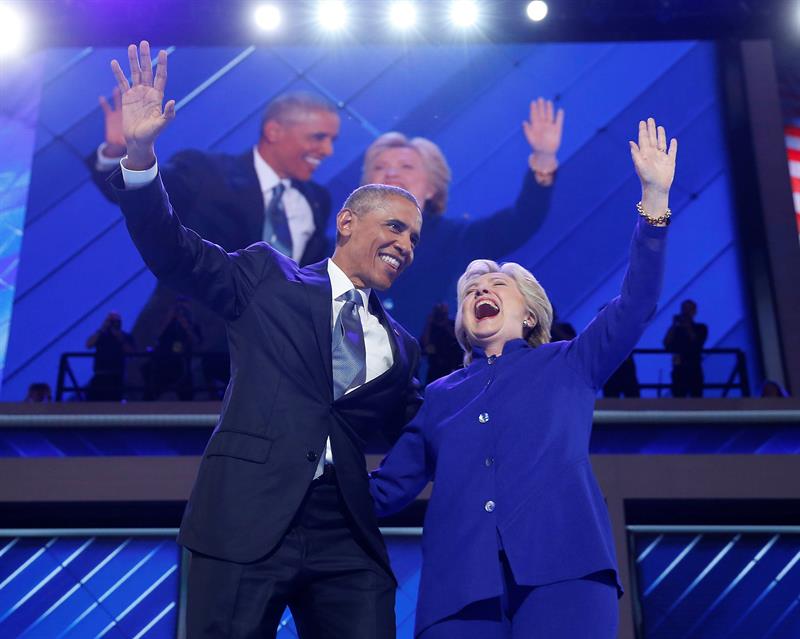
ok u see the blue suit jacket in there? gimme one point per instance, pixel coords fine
(514, 431)
(278, 409)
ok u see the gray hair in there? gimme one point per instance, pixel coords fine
(432, 158)
(373, 196)
(283, 107)
(536, 301)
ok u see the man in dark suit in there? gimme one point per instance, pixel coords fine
(227, 199)
(280, 514)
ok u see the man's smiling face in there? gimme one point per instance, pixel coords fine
(377, 245)
(299, 143)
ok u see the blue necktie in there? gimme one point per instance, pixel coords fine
(276, 225)
(349, 355)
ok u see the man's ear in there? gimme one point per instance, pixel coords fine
(344, 222)
(272, 131)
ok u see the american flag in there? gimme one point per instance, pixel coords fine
(792, 133)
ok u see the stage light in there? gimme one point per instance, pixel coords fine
(267, 17)
(332, 15)
(537, 10)
(12, 30)
(464, 13)
(403, 15)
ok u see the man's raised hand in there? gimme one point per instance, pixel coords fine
(143, 118)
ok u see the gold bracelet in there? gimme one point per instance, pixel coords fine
(654, 221)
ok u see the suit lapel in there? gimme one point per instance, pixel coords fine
(247, 190)
(398, 350)
(399, 353)
(317, 286)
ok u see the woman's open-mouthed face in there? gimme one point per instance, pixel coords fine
(404, 167)
(493, 310)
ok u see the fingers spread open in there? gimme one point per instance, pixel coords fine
(161, 71)
(673, 148)
(169, 110)
(133, 60)
(119, 76)
(105, 105)
(146, 62)
(643, 139)
(651, 132)
(662, 138)
(533, 114)
(116, 95)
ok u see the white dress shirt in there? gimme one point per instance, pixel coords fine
(298, 211)
(376, 338)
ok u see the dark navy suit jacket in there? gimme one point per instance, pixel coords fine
(218, 196)
(506, 442)
(278, 409)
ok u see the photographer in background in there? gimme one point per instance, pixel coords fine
(110, 344)
(686, 339)
(439, 344)
(170, 366)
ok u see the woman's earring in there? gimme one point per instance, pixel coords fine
(526, 324)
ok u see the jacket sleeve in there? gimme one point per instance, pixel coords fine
(610, 337)
(405, 471)
(183, 260)
(509, 228)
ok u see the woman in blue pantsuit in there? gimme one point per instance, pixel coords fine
(517, 540)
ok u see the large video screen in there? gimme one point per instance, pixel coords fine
(67, 259)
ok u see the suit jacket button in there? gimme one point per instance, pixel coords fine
(312, 456)
(488, 461)
(483, 418)
(489, 506)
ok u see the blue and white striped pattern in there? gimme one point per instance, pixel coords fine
(718, 583)
(79, 587)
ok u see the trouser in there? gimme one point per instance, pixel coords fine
(575, 609)
(333, 587)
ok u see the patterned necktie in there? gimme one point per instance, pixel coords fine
(348, 350)
(276, 225)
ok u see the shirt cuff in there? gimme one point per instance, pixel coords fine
(137, 179)
(104, 163)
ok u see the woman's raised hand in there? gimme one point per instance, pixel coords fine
(654, 162)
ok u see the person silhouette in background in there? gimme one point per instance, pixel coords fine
(439, 344)
(170, 364)
(686, 339)
(111, 345)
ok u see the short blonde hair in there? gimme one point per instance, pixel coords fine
(536, 301)
(432, 158)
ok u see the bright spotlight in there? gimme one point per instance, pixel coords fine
(403, 15)
(12, 30)
(464, 13)
(332, 15)
(537, 10)
(267, 17)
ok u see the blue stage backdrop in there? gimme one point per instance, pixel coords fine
(82, 585)
(77, 262)
(717, 582)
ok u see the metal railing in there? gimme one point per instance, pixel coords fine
(68, 380)
(737, 378)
